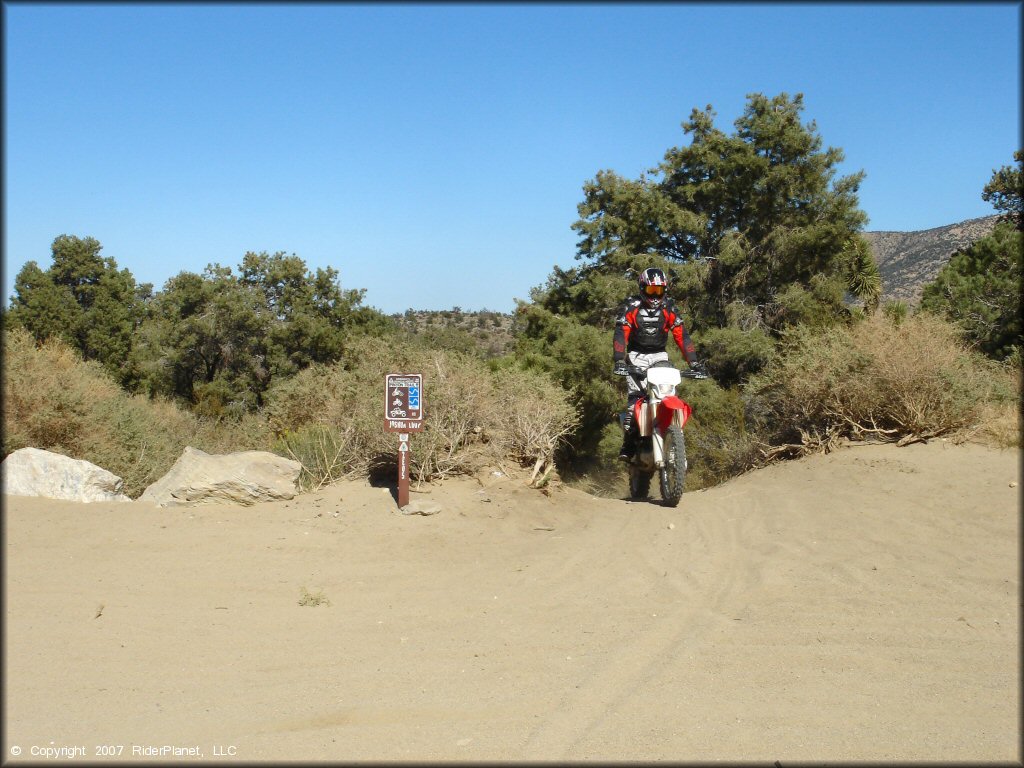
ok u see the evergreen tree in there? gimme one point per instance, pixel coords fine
(219, 340)
(205, 342)
(753, 228)
(84, 299)
(740, 218)
(1005, 190)
(311, 316)
(980, 288)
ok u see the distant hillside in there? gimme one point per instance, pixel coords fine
(910, 260)
(487, 333)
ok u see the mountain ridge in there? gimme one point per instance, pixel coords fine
(908, 261)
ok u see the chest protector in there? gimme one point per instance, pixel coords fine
(650, 333)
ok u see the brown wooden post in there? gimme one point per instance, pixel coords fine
(403, 469)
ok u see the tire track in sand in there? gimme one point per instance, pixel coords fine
(716, 557)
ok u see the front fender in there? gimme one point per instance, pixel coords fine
(667, 410)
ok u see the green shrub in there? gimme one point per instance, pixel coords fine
(896, 311)
(579, 357)
(819, 306)
(879, 379)
(733, 355)
(718, 445)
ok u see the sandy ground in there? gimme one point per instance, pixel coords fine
(861, 605)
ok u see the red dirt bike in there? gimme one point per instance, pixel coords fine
(659, 417)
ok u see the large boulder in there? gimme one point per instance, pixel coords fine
(245, 477)
(35, 472)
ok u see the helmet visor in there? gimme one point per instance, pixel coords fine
(654, 290)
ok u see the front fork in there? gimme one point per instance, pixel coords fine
(645, 418)
(648, 423)
(658, 449)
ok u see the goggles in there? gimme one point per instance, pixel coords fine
(654, 290)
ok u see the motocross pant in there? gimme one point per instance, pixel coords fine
(634, 392)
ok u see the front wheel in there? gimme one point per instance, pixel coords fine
(673, 473)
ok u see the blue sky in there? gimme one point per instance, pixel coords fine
(435, 154)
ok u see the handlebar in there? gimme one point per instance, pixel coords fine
(692, 374)
(689, 373)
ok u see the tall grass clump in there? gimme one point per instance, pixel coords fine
(55, 401)
(321, 450)
(876, 379)
(330, 417)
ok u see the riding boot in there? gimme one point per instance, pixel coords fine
(628, 436)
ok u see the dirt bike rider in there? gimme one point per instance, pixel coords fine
(642, 329)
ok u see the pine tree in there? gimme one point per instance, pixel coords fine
(84, 299)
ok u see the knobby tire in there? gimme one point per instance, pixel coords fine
(673, 474)
(639, 484)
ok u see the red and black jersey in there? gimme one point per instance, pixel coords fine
(641, 329)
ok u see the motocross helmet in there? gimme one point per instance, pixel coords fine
(653, 285)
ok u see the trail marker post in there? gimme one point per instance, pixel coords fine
(403, 413)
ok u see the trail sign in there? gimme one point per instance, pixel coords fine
(403, 402)
(403, 413)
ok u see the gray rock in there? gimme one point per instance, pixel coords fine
(35, 472)
(421, 508)
(244, 477)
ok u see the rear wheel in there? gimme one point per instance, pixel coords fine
(673, 473)
(639, 483)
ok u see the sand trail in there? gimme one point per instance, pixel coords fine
(860, 605)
